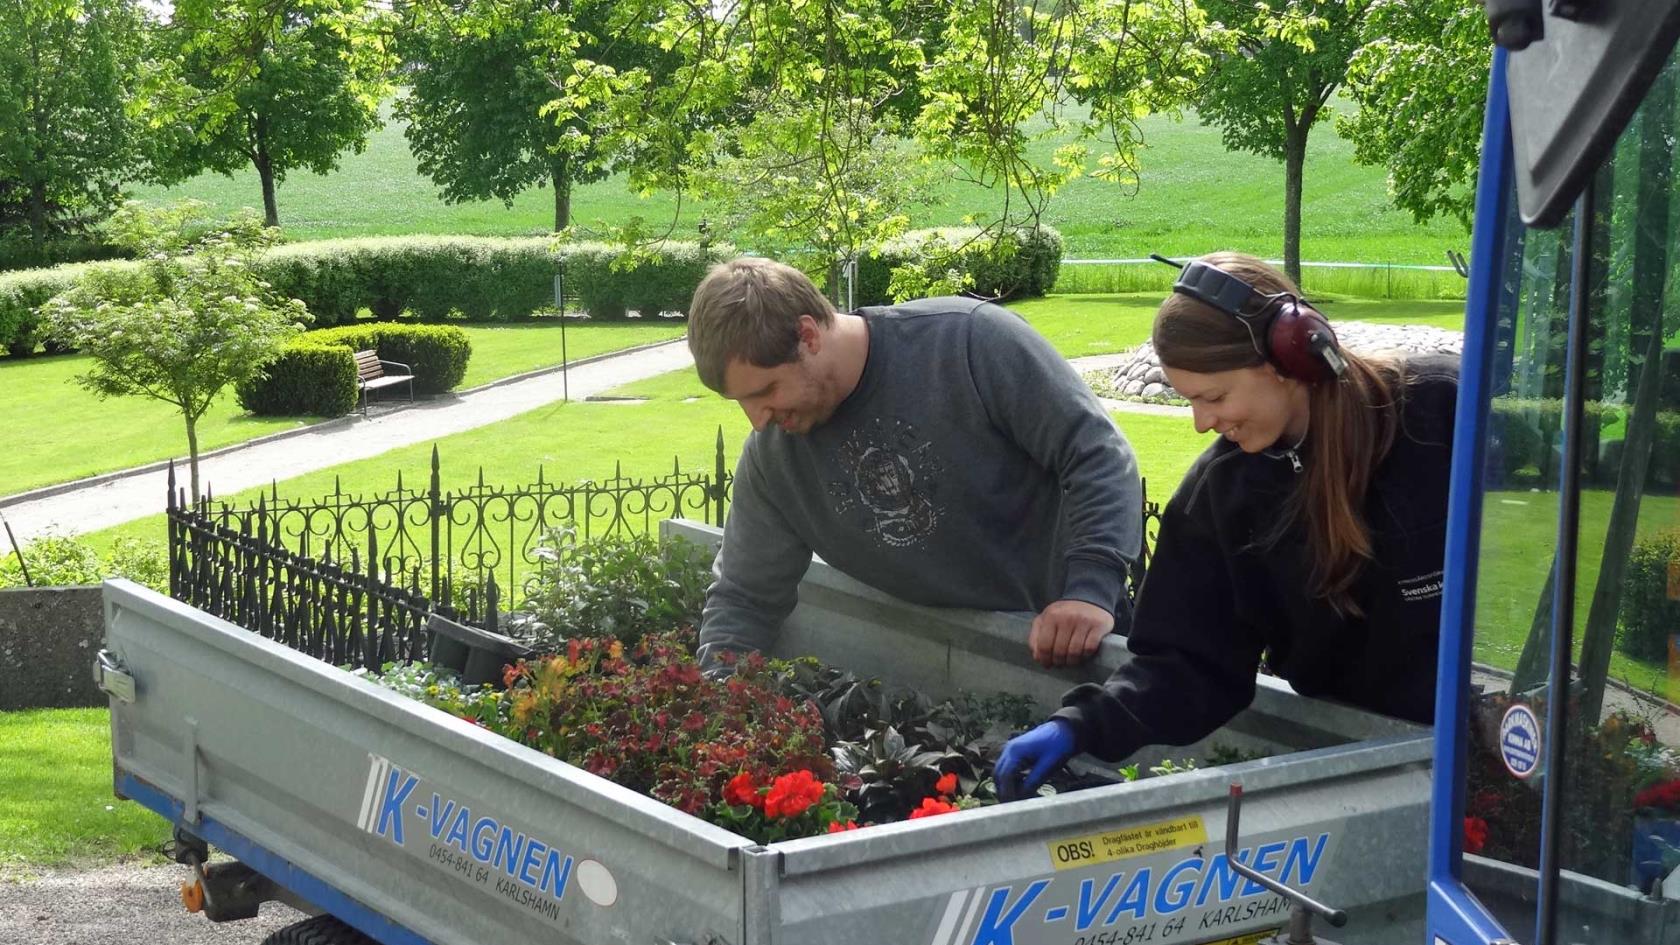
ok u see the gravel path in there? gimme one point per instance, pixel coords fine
(126, 904)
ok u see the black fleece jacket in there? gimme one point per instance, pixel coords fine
(1217, 598)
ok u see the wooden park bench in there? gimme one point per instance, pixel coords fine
(371, 376)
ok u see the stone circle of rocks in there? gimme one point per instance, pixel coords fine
(1139, 376)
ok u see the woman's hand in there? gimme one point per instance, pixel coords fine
(1027, 760)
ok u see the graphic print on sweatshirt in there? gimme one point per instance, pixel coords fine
(889, 483)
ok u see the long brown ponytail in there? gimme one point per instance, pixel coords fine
(1354, 420)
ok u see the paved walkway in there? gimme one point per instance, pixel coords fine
(129, 497)
(123, 497)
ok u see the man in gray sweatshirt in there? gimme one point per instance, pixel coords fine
(940, 450)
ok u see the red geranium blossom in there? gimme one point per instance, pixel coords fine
(931, 806)
(1475, 834)
(838, 827)
(742, 792)
(946, 784)
(792, 793)
(1663, 795)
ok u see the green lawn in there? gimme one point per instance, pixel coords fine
(678, 423)
(72, 433)
(56, 806)
(1194, 197)
(1518, 535)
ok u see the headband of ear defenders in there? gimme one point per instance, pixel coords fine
(1287, 332)
(1213, 286)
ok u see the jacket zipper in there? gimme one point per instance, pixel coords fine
(1294, 459)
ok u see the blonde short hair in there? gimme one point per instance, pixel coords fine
(748, 309)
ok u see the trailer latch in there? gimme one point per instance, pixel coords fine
(110, 676)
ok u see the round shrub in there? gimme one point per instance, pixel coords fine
(308, 379)
(1651, 597)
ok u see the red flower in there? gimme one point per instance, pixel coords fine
(946, 784)
(931, 806)
(1663, 794)
(741, 791)
(791, 794)
(1475, 834)
(838, 827)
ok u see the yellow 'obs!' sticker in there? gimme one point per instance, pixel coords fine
(1074, 852)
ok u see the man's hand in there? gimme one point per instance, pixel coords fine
(1068, 633)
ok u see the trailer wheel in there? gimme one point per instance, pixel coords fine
(320, 930)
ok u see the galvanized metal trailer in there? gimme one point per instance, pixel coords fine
(413, 826)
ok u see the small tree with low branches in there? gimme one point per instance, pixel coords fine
(190, 320)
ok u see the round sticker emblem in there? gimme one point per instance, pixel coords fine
(1519, 741)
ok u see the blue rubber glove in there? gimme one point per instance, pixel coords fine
(1028, 759)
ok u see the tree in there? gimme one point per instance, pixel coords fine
(1420, 81)
(274, 84)
(67, 68)
(815, 187)
(979, 87)
(192, 319)
(1267, 92)
(480, 73)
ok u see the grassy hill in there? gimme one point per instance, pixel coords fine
(1194, 197)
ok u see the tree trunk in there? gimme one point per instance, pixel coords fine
(562, 181)
(1645, 312)
(265, 171)
(1294, 161)
(192, 454)
(38, 218)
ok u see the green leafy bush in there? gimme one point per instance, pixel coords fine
(622, 588)
(22, 293)
(662, 279)
(307, 379)
(1651, 597)
(57, 561)
(316, 375)
(17, 251)
(431, 278)
(1523, 442)
(1023, 263)
(437, 353)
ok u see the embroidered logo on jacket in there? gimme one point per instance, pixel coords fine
(889, 483)
(1422, 587)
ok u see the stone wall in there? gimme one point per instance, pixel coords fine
(1139, 376)
(48, 638)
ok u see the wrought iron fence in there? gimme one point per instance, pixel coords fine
(336, 611)
(455, 545)
(352, 578)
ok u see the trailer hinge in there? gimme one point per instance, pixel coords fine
(112, 678)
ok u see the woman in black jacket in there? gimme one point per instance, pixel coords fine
(1308, 537)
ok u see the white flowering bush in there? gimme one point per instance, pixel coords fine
(192, 318)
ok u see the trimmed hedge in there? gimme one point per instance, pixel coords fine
(316, 375)
(1523, 438)
(1022, 265)
(22, 293)
(434, 278)
(1650, 612)
(307, 379)
(431, 278)
(664, 282)
(437, 353)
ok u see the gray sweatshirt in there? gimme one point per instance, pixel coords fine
(970, 467)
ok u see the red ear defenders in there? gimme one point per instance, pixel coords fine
(1290, 334)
